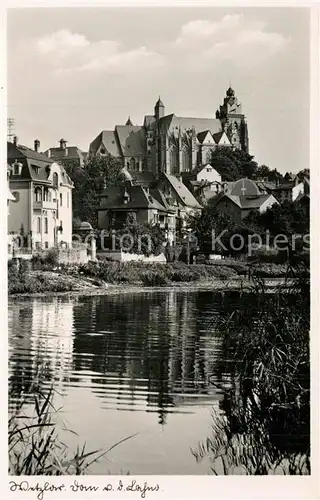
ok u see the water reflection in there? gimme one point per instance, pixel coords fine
(139, 352)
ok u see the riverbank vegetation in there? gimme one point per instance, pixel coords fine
(35, 446)
(264, 427)
(47, 276)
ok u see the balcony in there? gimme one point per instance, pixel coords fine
(45, 205)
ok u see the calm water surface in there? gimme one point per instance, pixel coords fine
(130, 363)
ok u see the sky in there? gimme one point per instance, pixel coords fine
(73, 72)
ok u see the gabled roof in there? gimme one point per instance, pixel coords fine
(131, 139)
(217, 136)
(247, 202)
(202, 135)
(182, 191)
(107, 139)
(148, 120)
(139, 198)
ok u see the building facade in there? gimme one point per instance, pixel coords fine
(42, 205)
(172, 144)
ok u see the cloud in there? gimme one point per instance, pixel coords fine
(234, 39)
(73, 52)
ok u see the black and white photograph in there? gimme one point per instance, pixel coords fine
(158, 242)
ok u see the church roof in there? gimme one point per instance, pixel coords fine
(108, 139)
(217, 136)
(148, 120)
(131, 140)
(202, 135)
(159, 103)
(174, 123)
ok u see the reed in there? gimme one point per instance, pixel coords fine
(35, 447)
(263, 426)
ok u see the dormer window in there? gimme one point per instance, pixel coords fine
(126, 197)
(17, 167)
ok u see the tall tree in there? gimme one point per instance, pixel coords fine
(89, 182)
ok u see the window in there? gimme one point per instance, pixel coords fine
(102, 151)
(38, 194)
(46, 225)
(38, 225)
(46, 244)
(16, 168)
(16, 196)
(60, 199)
(55, 179)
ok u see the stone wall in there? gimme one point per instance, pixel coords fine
(121, 256)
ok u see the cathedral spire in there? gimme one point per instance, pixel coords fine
(129, 122)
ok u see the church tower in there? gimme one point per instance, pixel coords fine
(233, 121)
(159, 109)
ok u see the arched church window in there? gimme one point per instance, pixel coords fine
(132, 164)
(185, 160)
(173, 160)
(208, 156)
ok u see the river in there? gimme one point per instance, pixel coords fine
(126, 364)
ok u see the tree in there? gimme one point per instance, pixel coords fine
(139, 238)
(89, 182)
(232, 164)
(210, 224)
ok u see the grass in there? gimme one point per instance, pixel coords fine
(264, 427)
(64, 277)
(35, 447)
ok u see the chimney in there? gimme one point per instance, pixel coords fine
(36, 145)
(15, 140)
(63, 144)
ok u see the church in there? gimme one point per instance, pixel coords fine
(174, 145)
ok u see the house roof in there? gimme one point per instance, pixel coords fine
(139, 198)
(247, 202)
(35, 166)
(73, 153)
(244, 187)
(182, 191)
(19, 151)
(284, 186)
